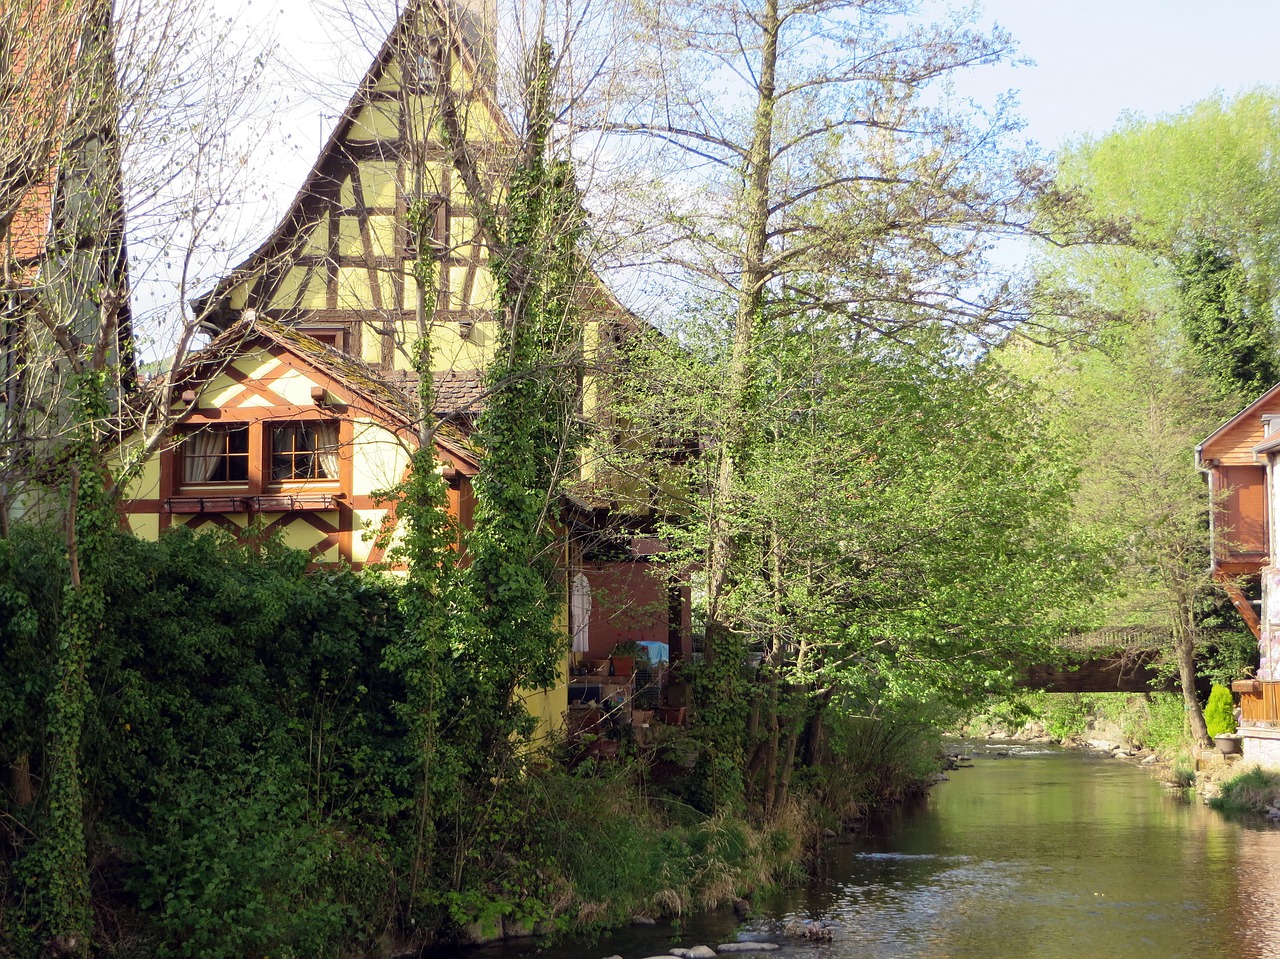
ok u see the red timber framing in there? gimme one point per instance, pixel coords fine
(329, 505)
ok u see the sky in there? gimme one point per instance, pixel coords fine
(1098, 59)
(1092, 62)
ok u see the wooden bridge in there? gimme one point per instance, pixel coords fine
(1107, 661)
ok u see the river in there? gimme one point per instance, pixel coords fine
(1039, 854)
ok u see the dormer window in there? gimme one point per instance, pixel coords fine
(422, 66)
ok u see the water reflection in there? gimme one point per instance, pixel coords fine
(1039, 855)
(1053, 855)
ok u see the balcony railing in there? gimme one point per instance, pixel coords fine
(277, 503)
(1259, 701)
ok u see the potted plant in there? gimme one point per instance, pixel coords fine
(1220, 720)
(622, 661)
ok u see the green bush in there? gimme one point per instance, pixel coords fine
(1219, 713)
(249, 783)
(872, 761)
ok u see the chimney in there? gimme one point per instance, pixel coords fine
(477, 24)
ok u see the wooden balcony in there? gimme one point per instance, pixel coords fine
(1259, 701)
(275, 503)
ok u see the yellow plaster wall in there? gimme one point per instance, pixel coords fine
(548, 706)
(145, 525)
(295, 388)
(305, 286)
(355, 289)
(146, 483)
(379, 458)
(379, 120)
(239, 519)
(315, 241)
(382, 236)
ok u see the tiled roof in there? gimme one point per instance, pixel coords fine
(394, 397)
(458, 393)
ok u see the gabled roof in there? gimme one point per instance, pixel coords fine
(1220, 440)
(464, 35)
(355, 376)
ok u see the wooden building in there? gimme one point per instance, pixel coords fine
(1242, 462)
(304, 405)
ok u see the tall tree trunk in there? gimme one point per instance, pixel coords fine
(24, 793)
(1185, 648)
(1184, 643)
(720, 552)
(786, 763)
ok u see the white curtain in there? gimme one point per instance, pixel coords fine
(579, 611)
(282, 445)
(203, 454)
(327, 449)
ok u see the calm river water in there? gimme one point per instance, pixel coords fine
(1043, 854)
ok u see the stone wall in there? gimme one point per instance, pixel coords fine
(1261, 746)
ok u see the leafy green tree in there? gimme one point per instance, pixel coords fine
(823, 187)
(904, 531)
(1162, 336)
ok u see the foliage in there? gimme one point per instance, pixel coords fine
(56, 870)
(529, 430)
(1153, 720)
(839, 294)
(903, 527)
(873, 761)
(1229, 323)
(1219, 712)
(1166, 331)
(245, 763)
(1253, 791)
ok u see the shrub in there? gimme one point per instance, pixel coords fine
(1219, 713)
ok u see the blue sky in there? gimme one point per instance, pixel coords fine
(1096, 59)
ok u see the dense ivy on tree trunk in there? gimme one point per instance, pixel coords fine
(58, 865)
(1229, 323)
(529, 432)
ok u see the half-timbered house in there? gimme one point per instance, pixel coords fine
(304, 405)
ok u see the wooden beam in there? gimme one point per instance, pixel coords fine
(1241, 602)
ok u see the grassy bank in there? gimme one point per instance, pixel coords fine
(1154, 721)
(1253, 791)
(616, 839)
